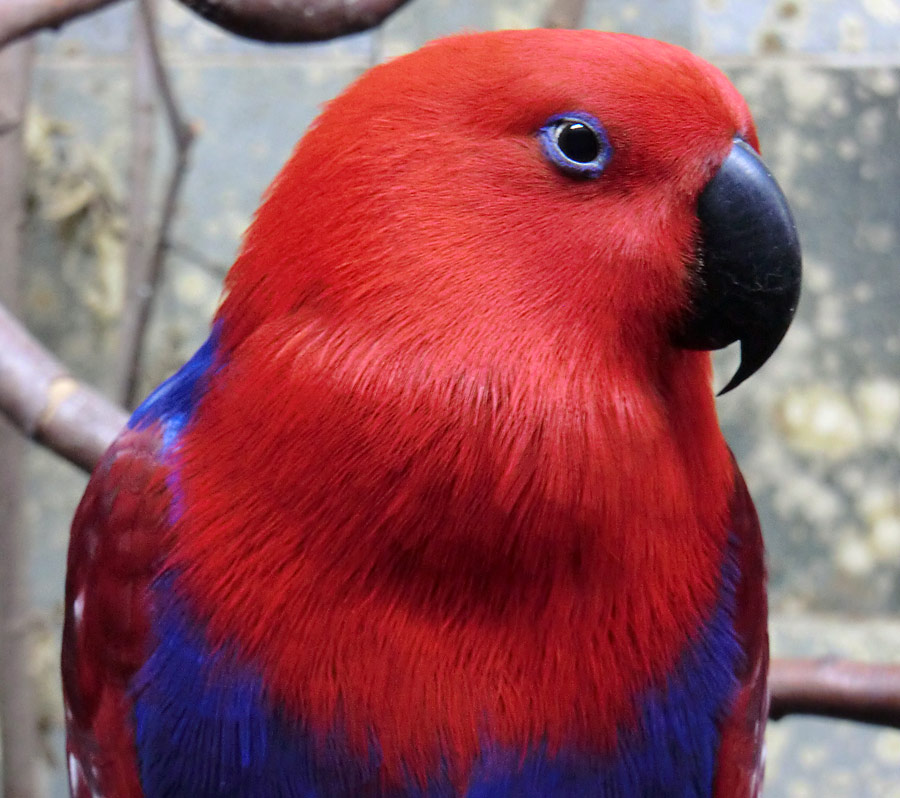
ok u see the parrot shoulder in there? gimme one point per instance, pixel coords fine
(115, 545)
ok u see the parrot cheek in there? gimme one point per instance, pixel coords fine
(654, 284)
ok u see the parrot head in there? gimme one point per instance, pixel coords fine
(603, 189)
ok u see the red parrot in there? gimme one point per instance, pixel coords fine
(442, 507)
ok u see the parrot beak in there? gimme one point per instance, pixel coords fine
(747, 278)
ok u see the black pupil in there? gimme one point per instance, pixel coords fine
(578, 142)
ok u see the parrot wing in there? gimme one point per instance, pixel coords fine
(741, 753)
(116, 542)
(117, 546)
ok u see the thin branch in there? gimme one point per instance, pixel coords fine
(137, 248)
(146, 266)
(182, 132)
(564, 14)
(294, 20)
(19, 18)
(154, 274)
(264, 20)
(18, 719)
(42, 400)
(836, 689)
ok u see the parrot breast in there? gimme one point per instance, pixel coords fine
(206, 680)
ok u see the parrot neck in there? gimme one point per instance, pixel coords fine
(471, 543)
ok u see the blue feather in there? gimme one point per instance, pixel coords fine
(173, 401)
(205, 727)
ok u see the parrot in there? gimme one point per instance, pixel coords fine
(442, 506)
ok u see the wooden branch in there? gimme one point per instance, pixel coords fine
(137, 246)
(182, 132)
(836, 689)
(564, 14)
(18, 719)
(264, 20)
(21, 17)
(294, 20)
(147, 259)
(45, 403)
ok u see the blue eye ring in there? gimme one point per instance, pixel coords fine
(576, 144)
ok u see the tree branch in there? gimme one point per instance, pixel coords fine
(836, 689)
(137, 248)
(182, 132)
(21, 17)
(145, 260)
(564, 14)
(294, 20)
(182, 138)
(264, 20)
(45, 403)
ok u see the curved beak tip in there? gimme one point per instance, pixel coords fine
(751, 362)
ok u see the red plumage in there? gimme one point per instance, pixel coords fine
(117, 546)
(450, 472)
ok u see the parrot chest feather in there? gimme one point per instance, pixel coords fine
(394, 697)
(189, 697)
(520, 703)
(438, 578)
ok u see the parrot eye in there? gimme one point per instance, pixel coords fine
(576, 143)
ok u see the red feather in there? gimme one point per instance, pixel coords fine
(118, 535)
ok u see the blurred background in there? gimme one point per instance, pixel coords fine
(817, 432)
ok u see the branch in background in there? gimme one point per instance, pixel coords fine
(137, 260)
(564, 14)
(20, 17)
(835, 689)
(145, 260)
(193, 255)
(265, 20)
(182, 132)
(45, 403)
(18, 720)
(294, 20)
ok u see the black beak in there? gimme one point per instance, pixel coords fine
(747, 281)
